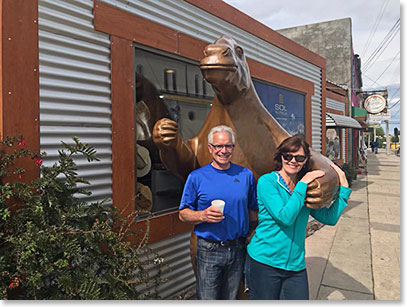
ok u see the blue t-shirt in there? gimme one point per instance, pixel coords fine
(236, 186)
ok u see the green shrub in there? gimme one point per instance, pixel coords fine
(57, 246)
(350, 172)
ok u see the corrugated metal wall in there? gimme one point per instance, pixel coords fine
(345, 159)
(191, 20)
(75, 88)
(176, 269)
(336, 105)
(339, 106)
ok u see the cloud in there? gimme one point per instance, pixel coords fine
(364, 14)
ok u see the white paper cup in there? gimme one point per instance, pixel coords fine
(219, 204)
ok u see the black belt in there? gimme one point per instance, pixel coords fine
(228, 242)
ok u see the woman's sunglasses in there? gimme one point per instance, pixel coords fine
(298, 158)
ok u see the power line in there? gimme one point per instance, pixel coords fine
(388, 65)
(374, 82)
(385, 39)
(382, 46)
(396, 112)
(378, 56)
(395, 93)
(397, 102)
(376, 24)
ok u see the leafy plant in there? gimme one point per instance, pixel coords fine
(395, 139)
(57, 246)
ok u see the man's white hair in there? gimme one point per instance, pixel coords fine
(219, 129)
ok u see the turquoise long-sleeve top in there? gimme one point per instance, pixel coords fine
(279, 239)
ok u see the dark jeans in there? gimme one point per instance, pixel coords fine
(268, 283)
(219, 269)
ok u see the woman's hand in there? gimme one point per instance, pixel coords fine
(342, 177)
(310, 176)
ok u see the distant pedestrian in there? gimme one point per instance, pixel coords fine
(275, 264)
(372, 145)
(376, 146)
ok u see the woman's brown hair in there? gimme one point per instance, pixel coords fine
(293, 144)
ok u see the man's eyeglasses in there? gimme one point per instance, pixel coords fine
(298, 158)
(220, 147)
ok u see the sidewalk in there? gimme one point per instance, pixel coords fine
(359, 258)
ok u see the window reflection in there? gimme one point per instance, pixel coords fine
(196, 85)
(333, 143)
(165, 87)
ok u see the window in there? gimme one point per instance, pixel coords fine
(333, 143)
(172, 87)
(286, 106)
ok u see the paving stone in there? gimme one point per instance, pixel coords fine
(329, 293)
(359, 258)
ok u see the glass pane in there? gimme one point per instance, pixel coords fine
(333, 143)
(171, 88)
(286, 106)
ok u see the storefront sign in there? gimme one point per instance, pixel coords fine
(375, 104)
(287, 107)
(373, 123)
(380, 116)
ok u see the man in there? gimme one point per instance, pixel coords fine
(221, 238)
(376, 146)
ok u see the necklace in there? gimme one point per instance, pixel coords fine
(291, 184)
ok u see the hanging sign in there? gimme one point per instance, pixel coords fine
(374, 104)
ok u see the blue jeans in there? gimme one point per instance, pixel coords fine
(219, 269)
(268, 283)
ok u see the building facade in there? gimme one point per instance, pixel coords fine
(333, 40)
(96, 69)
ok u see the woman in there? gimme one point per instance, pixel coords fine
(275, 266)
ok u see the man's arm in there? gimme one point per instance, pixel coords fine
(210, 215)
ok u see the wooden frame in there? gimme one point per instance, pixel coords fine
(336, 96)
(341, 131)
(123, 135)
(124, 29)
(19, 86)
(323, 111)
(339, 94)
(339, 161)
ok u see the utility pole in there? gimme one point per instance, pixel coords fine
(374, 134)
(387, 138)
(368, 139)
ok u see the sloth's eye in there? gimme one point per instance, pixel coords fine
(239, 51)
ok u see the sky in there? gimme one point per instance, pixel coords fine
(374, 33)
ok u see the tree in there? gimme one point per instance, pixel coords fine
(395, 139)
(379, 132)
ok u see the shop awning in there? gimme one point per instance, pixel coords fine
(335, 120)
